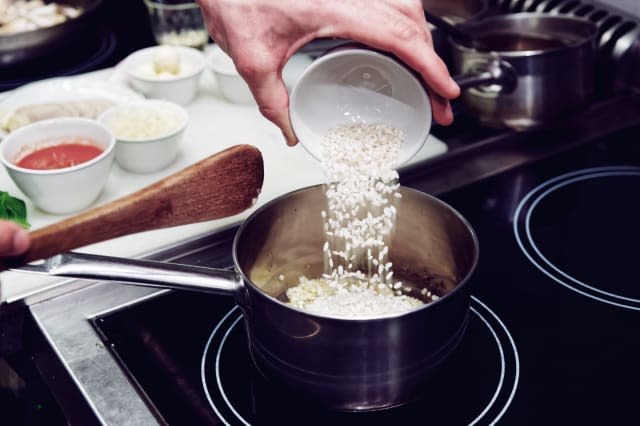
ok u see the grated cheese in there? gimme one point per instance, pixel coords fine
(137, 124)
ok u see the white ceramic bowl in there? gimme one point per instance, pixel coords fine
(359, 85)
(148, 133)
(180, 87)
(66, 190)
(233, 87)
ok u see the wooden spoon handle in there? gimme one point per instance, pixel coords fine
(219, 186)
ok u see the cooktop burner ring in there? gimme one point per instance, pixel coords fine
(500, 401)
(234, 321)
(524, 235)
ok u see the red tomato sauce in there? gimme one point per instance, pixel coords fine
(65, 154)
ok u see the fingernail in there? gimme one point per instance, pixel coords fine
(453, 84)
(21, 242)
(293, 142)
(448, 114)
(290, 138)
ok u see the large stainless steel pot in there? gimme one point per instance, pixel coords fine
(341, 363)
(532, 69)
(22, 47)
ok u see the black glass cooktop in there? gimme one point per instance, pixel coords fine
(552, 336)
(92, 52)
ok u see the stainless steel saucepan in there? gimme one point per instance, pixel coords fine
(341, 363)
(526, 70)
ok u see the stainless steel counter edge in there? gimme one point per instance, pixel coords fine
(63, 315)
(64, 322)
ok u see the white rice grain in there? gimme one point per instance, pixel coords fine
(362, 189)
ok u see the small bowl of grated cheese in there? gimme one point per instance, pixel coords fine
(148, 133)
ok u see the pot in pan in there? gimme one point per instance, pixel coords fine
(350, 364)
(457, 11)
(530, 70)
(454, 12)
(24, 46)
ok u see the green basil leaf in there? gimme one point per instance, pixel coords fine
(12, 208)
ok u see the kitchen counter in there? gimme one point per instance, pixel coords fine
(91, 385)
(215, 124)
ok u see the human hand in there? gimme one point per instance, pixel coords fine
(14, 240)
(261, 36)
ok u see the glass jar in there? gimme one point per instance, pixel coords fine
(178, 22)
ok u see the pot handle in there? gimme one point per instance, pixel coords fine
(146, 273)
(491, 71)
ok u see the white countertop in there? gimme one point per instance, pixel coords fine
(214, 125)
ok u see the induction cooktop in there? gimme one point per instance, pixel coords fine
(552, 336)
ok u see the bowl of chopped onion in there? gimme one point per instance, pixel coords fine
(166, 72)
(148, 133)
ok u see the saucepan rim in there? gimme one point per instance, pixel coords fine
(469, 26)
(356, 319)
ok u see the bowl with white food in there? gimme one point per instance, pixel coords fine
(60, 164)
(148, 133)
(231, 85)
(166, 72)
(353, 84)
(234, 88)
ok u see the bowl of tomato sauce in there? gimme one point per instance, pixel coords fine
(61, 164)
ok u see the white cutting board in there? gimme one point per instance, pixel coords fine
(214, 125)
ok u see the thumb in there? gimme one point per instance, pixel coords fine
(272, 97)
(14, 240)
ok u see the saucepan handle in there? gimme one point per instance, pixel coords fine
(146, 273)
(487, 72)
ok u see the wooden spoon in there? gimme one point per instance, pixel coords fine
(219, 186)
